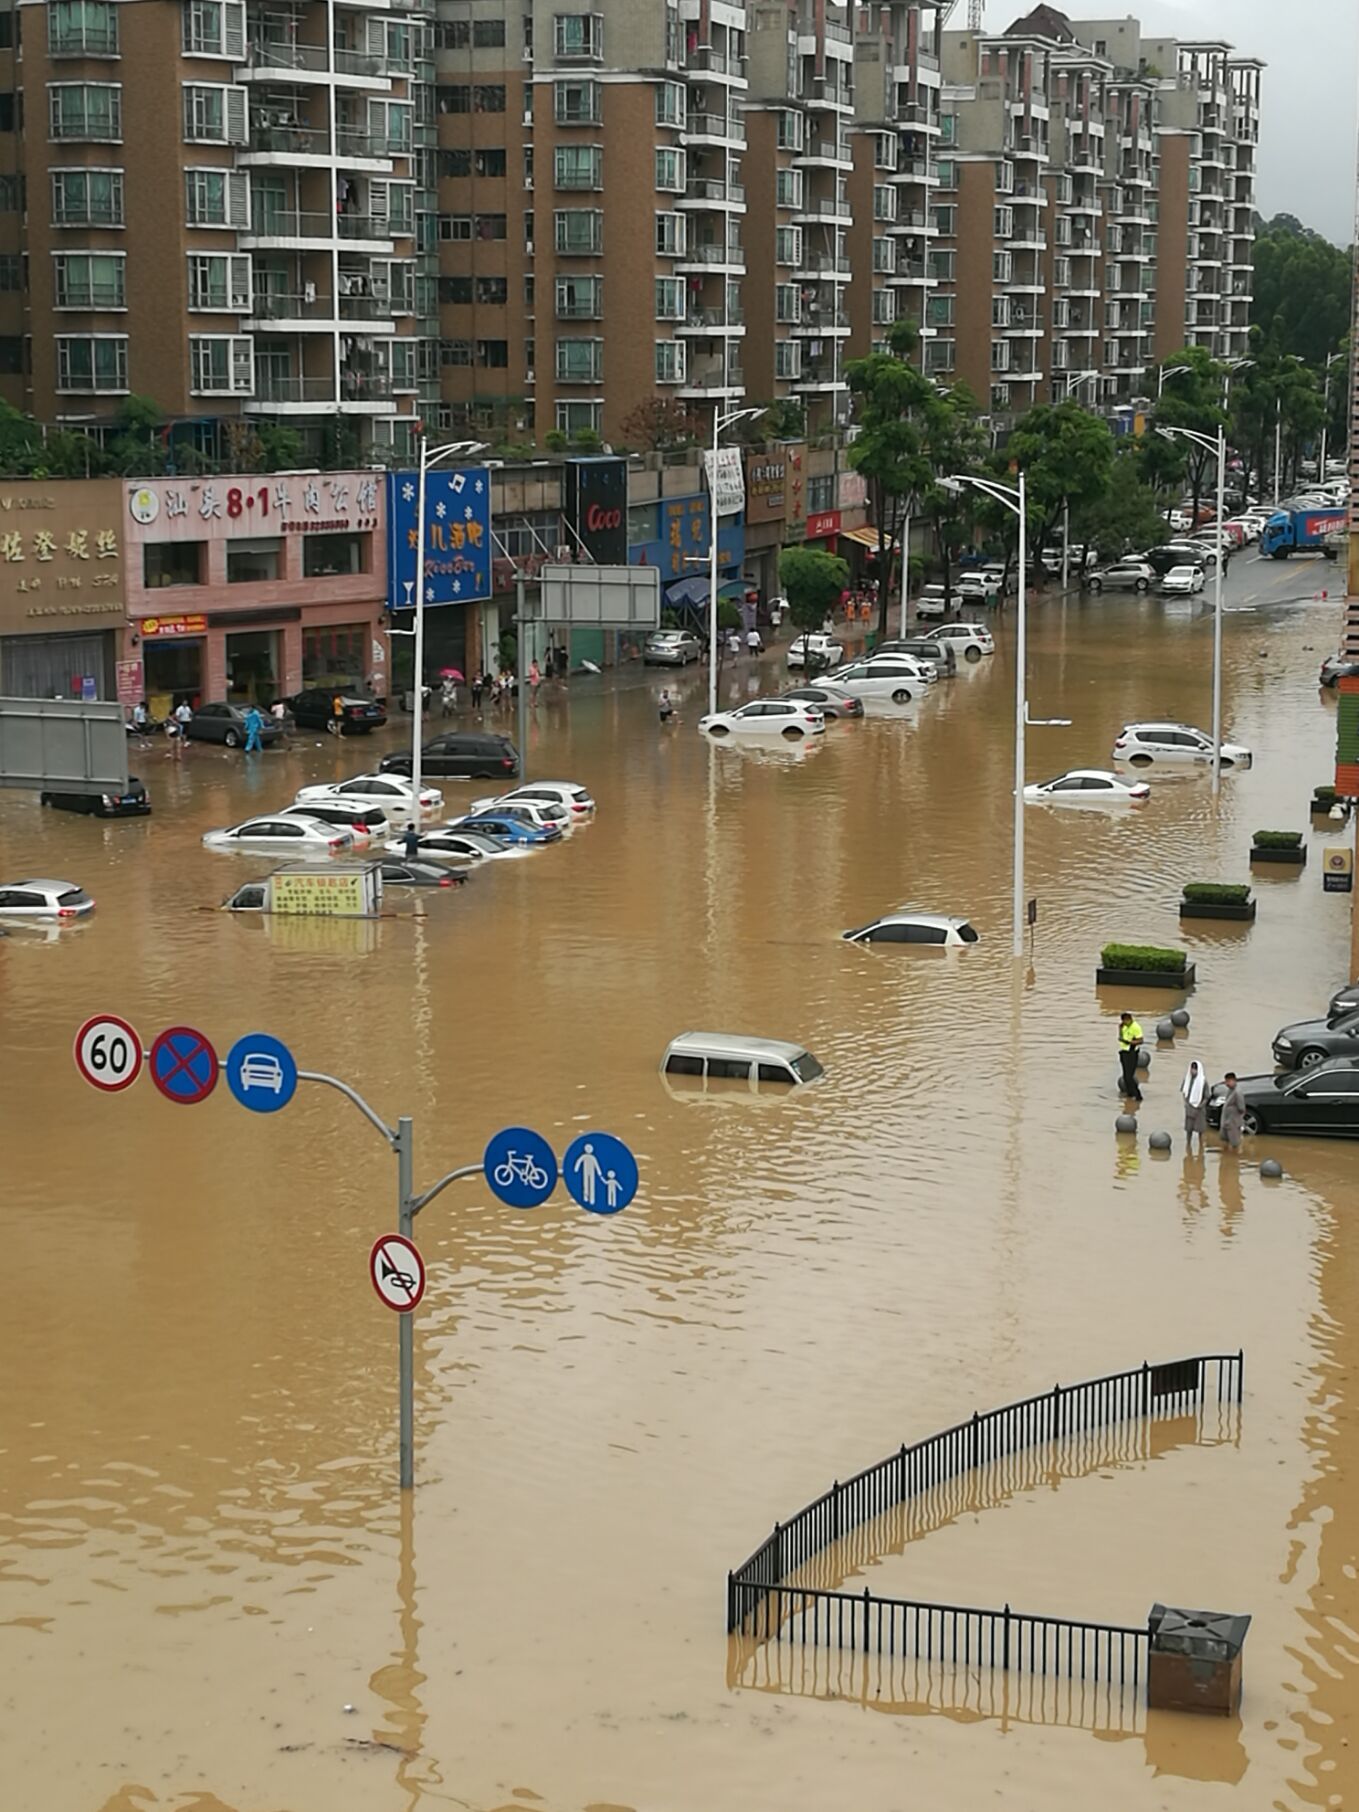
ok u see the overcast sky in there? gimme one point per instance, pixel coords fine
(1308, 129)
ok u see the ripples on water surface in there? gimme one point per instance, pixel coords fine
(203, 1557)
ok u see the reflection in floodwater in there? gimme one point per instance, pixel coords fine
(199, 1413)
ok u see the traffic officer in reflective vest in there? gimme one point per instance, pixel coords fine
(1129, 1044)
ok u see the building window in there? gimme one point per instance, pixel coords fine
(788, 245)
(488, 34)
(821, 493)
(884, 202)
(579, 418)
(491, 226)
(787, 359)
(945, 219)
(670, 235)
(939, 311)
(578, 167)
(948, 173)
(940, 355)
(885, 256)
(669, 361)
(578, 35)
(580, 298)
(221, 364)
(338, 652)
(789, 131)
(493, 292)
(787, 304)
(92, 111)
(253, 562)
(220, 281)
(87, 198)
(940, 266)
(670, 104)
(455, 352)
(334, 556)
(579, 230)
(670, 169)
(670, 298)
(493, 355)
(884, 307)
(214, 198)
(214, 114)
(11, 271)
(92, 362)
(455, 97)
(787, 187)
(11, 194)
(1002, 266)
(1000, 355)
(577, 102)
(455, 227)
(172, 563)
(580, 361)
(214, 28)
(89, 280)
(82, 28)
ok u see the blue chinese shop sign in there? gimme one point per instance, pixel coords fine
(457, 536)
(678, 543)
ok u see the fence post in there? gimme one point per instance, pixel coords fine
(835, 1508)
(1146, 1388)
(1056, 1411)
(901, 1465)
(778, 1551)
(976, 1423)
(1240, 1371)
(1005, 1649)
(731, 1603)
(867, 1601)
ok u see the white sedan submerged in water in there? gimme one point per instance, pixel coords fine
(1088, 786)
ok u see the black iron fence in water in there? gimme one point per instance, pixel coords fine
(765, 1604)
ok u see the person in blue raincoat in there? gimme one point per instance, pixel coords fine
(254, 723)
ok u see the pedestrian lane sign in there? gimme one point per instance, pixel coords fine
(600, 1172)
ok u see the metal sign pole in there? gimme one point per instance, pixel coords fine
(521, 667)
(405, 1329)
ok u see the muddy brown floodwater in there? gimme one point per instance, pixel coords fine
(211, 1598)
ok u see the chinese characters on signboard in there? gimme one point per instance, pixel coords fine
(317, 503)
(726, 476)
(681, 551)
(61, 552)
(457, 566)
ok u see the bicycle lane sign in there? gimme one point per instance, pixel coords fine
(520, 1166)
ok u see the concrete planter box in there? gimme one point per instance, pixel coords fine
(1289, 858)
(1243, 910)
(1177, 979)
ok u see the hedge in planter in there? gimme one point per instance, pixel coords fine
(1278, 846)
(1217, 900)
(1145, 966)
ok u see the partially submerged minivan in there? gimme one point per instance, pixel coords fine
(733, 1057)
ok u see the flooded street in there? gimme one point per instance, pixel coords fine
(211, 1598)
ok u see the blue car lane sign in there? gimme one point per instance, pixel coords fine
(520, 1166)
(600, 1172)
(261, 1073)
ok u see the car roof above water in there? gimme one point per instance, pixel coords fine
(734, 1044)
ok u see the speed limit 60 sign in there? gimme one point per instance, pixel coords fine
(108, 1053)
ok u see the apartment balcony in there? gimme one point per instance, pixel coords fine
(285, 229)
(713, 323)
(713, 377)
(824, 267)
(703, 59)
(815, 209)
(280, 394)
(828, 96)
(825, 154)
(712, 129)
(701, 258)
(821, 324)
(916, 223)
(370, 150)
(283, 143)
(703, 193)
(304, 310)
(1024, 326)
(1027, 239)
(922, 170)
(821, 375)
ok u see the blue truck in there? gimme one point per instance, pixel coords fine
(1302, 531)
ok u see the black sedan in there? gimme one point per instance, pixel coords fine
(226, 724)
(1345, 1000)
(131, 802)
(829, 700)
(396, 873)
(1322, 1101)
(315, 709)
(1311, 1041)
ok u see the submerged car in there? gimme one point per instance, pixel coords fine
(390, 794)
(399, 872)
(970, 641)
(906, 927)
(898, 677)
(829, 699)
(1322, 1101)
(785, 717)
(1087, 786)
(671, 648)
(131, 802)
(815, 649)
(1142, 744)
(458, 845)
(507, 827)
(731, 1057)
(1307, 1042)
(282, 836)
(44, 900)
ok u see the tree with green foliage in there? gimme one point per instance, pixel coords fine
(1191, 398)
(893, 400)
(1126, 517)
(955, 442)
(812, 582)
(1067, 457)
(1302, 290)
(658, 424)
(1277, 397)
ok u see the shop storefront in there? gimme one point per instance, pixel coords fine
(249, 588)
(775, 498)
(678, 544)
(62, 608)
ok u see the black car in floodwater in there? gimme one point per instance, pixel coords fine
(1322, 1101)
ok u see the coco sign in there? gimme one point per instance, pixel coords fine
(596, 507)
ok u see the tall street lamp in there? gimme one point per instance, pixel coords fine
(429, 457)
(1014, 499)
(1335, 358)
(1218, 447)
(1168, 371)
(719, 423)
(1074, 383)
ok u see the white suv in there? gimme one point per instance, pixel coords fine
(968, 640)
(1142, 744)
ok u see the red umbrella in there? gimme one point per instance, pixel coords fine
(453, 673)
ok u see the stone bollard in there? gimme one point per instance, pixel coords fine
(1180, 1017)
(1159, 1141)
(1195, 1660)
(1165, 1031)
(1271, 1168)
(1126, 1123)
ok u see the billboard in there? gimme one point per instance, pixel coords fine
(457, 536)
(68, 745)
(595, 505)
(601, 597)
(767, 486)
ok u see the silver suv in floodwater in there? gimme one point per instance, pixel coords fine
(733, 1057)
(671, 648)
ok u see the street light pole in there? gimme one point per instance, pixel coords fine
(1218, 447)
(719, 423)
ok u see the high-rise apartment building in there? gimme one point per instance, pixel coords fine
(223, 211)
